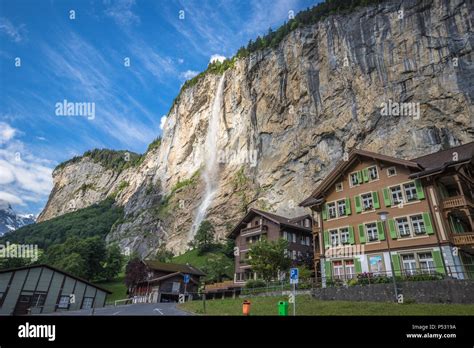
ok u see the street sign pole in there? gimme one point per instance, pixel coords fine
(294, 301)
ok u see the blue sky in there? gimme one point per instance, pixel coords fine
(82, 60)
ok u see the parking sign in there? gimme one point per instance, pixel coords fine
(186, 278)
(294, 276)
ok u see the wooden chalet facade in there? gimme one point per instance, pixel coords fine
(257, 224)
(430, 215)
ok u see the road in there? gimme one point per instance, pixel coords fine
(132, 309)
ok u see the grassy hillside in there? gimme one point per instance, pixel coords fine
(118, 288)
(95, 220)
(305, 305)
(214, 263)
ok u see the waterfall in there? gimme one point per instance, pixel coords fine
(211, 165)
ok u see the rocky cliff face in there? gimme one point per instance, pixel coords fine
(287, 116)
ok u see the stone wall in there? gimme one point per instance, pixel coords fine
(442, 291)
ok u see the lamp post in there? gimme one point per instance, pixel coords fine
(383, 217)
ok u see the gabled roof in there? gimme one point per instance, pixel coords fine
(159, 279)
(277, 219)
(173, 267)
(56, 270)
(318, 194)
(438, 162)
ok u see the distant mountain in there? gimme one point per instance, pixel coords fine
(10, 220)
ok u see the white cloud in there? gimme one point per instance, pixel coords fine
(189, 74)
(121, 12)
(163, 122)
(180, 60)
(15, 34)
(216, 57)
(25, 176)
(10, 198)
(6, 132)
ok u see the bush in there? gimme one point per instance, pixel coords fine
(252, 284)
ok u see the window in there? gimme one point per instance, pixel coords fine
(334, 237)
(409, 263)
(308, 241)
(307, 223)
(87, 303)
(372, 234)
(257, 222)
(344, 232)
(426, 262)
(293, 255)
(332, 210)
(410, 191)
(392, 171)
(305, 240)
(290, 237)
(367, 201)
(339, 187)
(373, 173)
(177, 285)
(349, 269)
(403, 227)
(338, 270)
(249, 225)
(341, 207)
(253, 239)
(418, 224)
(354, 179)
(397, 196)
(38, 300)
(64, 301)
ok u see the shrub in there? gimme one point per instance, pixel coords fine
(252, 284)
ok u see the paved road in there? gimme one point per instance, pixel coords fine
(132, 309)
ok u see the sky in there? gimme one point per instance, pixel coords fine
(127, 59)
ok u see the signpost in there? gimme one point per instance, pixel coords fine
(294, 281)
(186, 281)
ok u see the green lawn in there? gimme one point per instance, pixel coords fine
(118, 288)
(305, 305)
(192, 257)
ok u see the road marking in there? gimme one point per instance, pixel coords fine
(116, 313)
(158, 310)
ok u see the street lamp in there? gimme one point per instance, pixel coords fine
(383, 217)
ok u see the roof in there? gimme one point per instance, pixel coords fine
(278, 219)
(159, 279)
(56, 270)
(173, 267)
(438, 162)
(342, 166)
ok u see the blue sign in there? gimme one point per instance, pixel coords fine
(293, 275)
(186, 278)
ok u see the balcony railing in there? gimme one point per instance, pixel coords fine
(463, 238)
(456, 201)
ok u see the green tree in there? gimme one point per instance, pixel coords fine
(204, 238)
(267, 258)
(113, 263)
(73, 263)
(218, 267)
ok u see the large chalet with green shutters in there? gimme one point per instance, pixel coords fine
(428, 203)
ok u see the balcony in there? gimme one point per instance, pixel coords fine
(254, 229)
(463, 238)
(456, 202)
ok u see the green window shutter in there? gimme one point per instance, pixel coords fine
(438, 261)
(326, 239)
(357, 204)
(391, 227)
(419, 189)
(361, 234)
(351, 235)
(348, 206)
(428, 224)
(386, 197)
(380, 231)
(358, 266)
(396, 264)
(375, 198)
(327, 269)
(325, 212)
(365, 174)
(359, 177)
